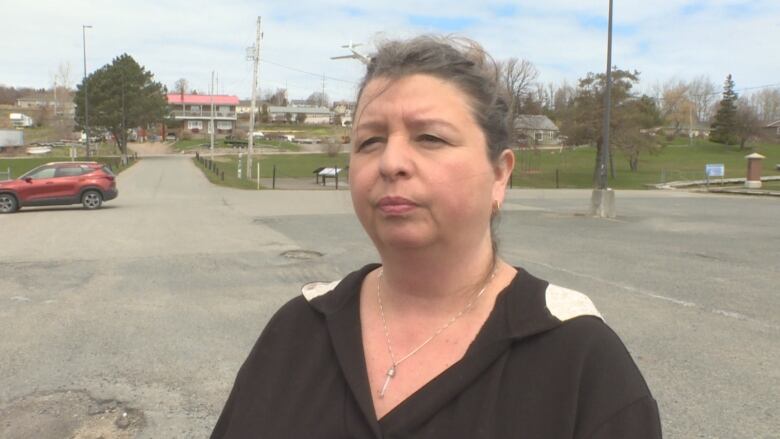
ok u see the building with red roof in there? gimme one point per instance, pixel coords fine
(194, 110)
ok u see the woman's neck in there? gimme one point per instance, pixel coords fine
(435, 280)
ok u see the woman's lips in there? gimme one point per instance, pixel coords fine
(395, 205)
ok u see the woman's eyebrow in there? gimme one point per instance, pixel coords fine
(427, 122)
(371, 125)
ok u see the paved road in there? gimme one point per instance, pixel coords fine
(148, 306)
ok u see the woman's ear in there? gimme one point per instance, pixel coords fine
(505, 166)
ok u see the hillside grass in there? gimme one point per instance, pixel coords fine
(677, 161)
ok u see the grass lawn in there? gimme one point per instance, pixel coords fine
(287, 166)
(22, 165)
(677, 161)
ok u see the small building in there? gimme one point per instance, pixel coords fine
(314, 115)
(536, 129)
(61, 103)
(771, 131)
(20, 120)
(195, 112)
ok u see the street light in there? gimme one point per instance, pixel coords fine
(602, 202)
(84, 28)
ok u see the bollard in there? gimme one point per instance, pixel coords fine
(336, 171)
(557, 180)
(273, 179)
(753, 180)
(222, 176)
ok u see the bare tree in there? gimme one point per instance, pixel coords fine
(766, 103)
(318, 98)
(748, 123)
(181, 86)
(516, 77)
(676, 106)
(703, 93)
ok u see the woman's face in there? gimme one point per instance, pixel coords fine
(419, 169)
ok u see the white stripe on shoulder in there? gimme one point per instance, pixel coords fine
(317, 289)
(566, 304)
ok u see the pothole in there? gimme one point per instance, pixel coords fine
(69, 414)
(301, 254)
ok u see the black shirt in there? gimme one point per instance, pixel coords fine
(544, 365)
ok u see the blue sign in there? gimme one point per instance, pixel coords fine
(715, 170)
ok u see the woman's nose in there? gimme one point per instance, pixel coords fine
(397, 159)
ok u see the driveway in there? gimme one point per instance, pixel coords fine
(132, 321)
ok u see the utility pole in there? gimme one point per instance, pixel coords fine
(211, 119)
(253, 55)
(602, 200)
(86, 92)
(322, 96)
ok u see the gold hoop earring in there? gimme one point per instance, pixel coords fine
(496, 206)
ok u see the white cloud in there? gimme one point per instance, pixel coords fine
(564, 38)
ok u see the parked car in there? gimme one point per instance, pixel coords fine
(60, 183)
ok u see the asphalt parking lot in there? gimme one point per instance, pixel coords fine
(131, 321)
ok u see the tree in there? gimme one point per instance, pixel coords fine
(122, 95)
(701, 92)
(278, 98)
(300, 117)
(748, 123)
(515, 78)
(582, 122)
(676, 105)
(766, 103)
(724, 127)
(181, 86)
(632, 135)
(318, 98)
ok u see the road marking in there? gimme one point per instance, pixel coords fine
(654, 295)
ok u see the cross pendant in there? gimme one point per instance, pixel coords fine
(390, 374)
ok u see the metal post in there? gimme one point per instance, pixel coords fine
(557, 179)
(86, 88)
(602, 202)
(273, 179)
(336, 171)
(258, 175)
(604, 157)
(256, 58)
(211, 120)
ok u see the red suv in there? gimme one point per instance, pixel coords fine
(58, 183)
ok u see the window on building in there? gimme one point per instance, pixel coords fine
(224, 109)
(224, 125)
(195, 108)
(538, 136)
(194, 125)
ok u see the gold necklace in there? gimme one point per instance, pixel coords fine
(390, 374)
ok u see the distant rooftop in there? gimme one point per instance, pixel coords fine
(176, 98)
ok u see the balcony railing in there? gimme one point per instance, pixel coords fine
(183, 114)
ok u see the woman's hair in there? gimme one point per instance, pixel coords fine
(459, 61)
(464, 64)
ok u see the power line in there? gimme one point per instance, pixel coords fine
(308, 73)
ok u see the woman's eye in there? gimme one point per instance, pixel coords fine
(430, 138)
(368, 142)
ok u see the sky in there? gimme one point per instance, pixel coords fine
(565, 39)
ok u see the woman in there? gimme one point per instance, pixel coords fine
(443, 339)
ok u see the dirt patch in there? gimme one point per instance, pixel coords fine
(150, 148)
(69, 414)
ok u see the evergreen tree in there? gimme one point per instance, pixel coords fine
(724, 127)
(122, 96)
